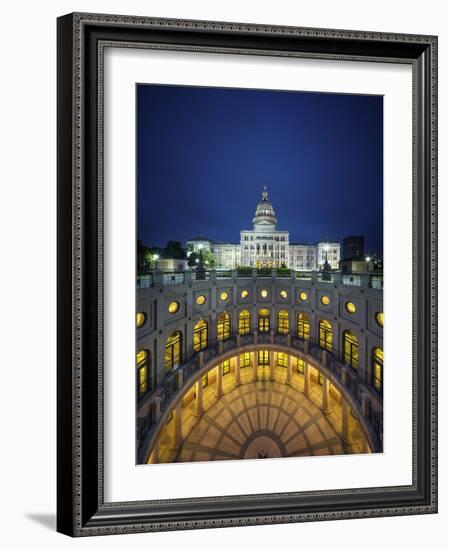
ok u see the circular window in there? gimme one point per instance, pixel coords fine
(224, 296)
(283, 294)
(264, 293)
(325, 300)
(303, 296)
(245, 294)
(173, 307)
(350, 307)
(140, 319)
(380, 318)
(201, 300)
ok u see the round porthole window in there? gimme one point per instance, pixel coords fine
(173, 307)
(380, 318)
(325, 300)
(224, 296)
(201, 300)
(245, 294)
(264, 293)
(303, 296)
(350, 307)
(283, 294)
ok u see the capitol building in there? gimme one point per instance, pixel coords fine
(265, 246)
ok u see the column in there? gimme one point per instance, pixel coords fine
(219, 382)
(345, 420)
(237, 370)
(271, 365)
(154, 457)
(289, 369)
(177, 425)
(198, 409)
(306, 379)
(325, 403)
(254, 362)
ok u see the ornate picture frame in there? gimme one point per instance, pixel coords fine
(82, 509)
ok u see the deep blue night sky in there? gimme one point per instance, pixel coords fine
(204, 155)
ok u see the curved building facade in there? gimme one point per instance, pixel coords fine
(231, 367)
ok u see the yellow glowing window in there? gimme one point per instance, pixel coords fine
(300, 367)
(142, 356)
(283, 294)
(245, 294)
(264, 293)
(264, 320)
(378, 368)
(245, 360)
(244, 322)
(380, 318)
(140, 319)
(143, 380)
(303, 326)
(223, 327)
(283, 322)
(350, 349)
(325, 300)
(173, 351)
(282, 359)
(303, 296)
(142, 359)
(226, 367)
(201, 299)
(325, 335)
(200, 335)
(173, 307)
(205, 381)
(224, 296)
(350, 307)
(263, 358)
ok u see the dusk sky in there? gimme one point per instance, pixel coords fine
(204, 155)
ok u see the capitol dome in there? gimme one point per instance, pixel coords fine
(264, 217)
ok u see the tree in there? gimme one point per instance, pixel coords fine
(204, 259)
(174, 249)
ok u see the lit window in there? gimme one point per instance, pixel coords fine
(303, 326)
(224, 296)
(245, 360)
(173, 307)
(283, 322)
(283, 294)
(303, 296)
(263, 358)
(300, 367)
(325, 335)
(200, 334)
(325, 300)
(380, 318)
(223, 326)
(201, 299)
(245, 294)
(264, 320)
(173, 352)
(226, 367)
(140, 319)
(350, 349)
(244, 322)
(378, 368)
(264, 293)
(143, 366)
(282, 359)
(205, 381)
(350, 307)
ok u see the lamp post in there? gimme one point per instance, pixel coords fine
(155, 258)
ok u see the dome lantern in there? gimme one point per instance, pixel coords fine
(264, 218)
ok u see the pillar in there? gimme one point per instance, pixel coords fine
(345, 421)
(306, 379)
(255, 370)
(154, 457)
(219, 382)
(271, 365)
(177, 425)
(237, 370)
(325, 402)
(198, 410)
(289, 369)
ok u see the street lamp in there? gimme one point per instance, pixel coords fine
(155, 258)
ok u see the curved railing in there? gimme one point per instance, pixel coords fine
(155, 409)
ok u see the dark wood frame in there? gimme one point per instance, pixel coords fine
(81, 507)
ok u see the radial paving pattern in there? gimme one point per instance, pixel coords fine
(259, 420)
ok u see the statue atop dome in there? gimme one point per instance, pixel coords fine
(264, 218)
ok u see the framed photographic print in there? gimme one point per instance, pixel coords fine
(239, 209)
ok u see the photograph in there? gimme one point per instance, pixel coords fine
(259, 273)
